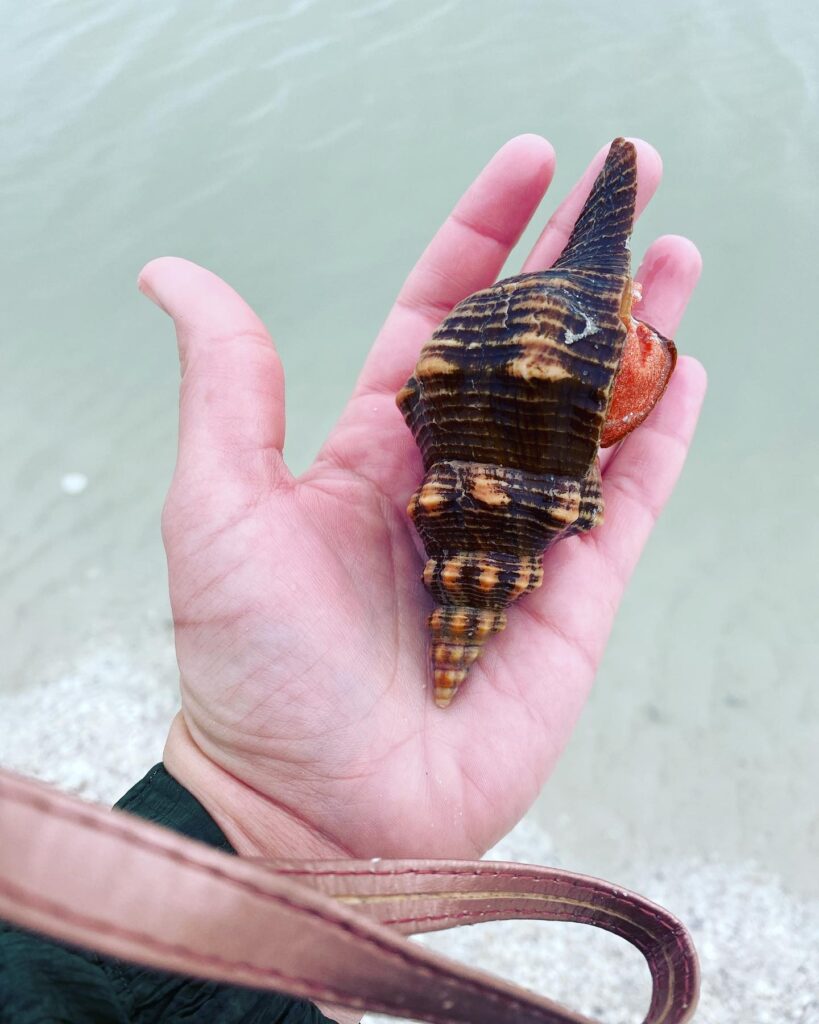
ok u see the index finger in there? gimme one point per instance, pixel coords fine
(466, 254)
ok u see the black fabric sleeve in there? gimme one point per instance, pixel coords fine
(44, 982)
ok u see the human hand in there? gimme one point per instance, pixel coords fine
(307, 725)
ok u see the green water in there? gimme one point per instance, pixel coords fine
(306, 152)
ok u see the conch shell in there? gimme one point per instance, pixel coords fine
(510, 401)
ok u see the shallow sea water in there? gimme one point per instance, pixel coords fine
(306, 151)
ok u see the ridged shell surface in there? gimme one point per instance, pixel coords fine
(507, 405)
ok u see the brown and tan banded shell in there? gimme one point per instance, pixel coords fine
(508, 405)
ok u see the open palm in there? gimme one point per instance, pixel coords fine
(298, 606)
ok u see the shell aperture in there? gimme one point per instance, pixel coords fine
(508, 405)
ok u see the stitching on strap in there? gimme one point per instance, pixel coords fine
(405, 956)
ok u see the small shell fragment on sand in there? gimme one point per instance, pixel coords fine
(73, 483)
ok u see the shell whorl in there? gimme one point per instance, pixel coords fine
(507, 405)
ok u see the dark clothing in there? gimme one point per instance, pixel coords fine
(43, 982)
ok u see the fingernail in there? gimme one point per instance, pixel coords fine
(148, 292)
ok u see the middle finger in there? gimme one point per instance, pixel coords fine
(555, 235)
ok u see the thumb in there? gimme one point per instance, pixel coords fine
(231, 402)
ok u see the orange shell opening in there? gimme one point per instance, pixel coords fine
(646, 366)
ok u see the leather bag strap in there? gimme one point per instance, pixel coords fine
(331, 931)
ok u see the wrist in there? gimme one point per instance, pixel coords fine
(254, 824)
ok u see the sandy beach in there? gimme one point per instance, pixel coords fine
(95, 728)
